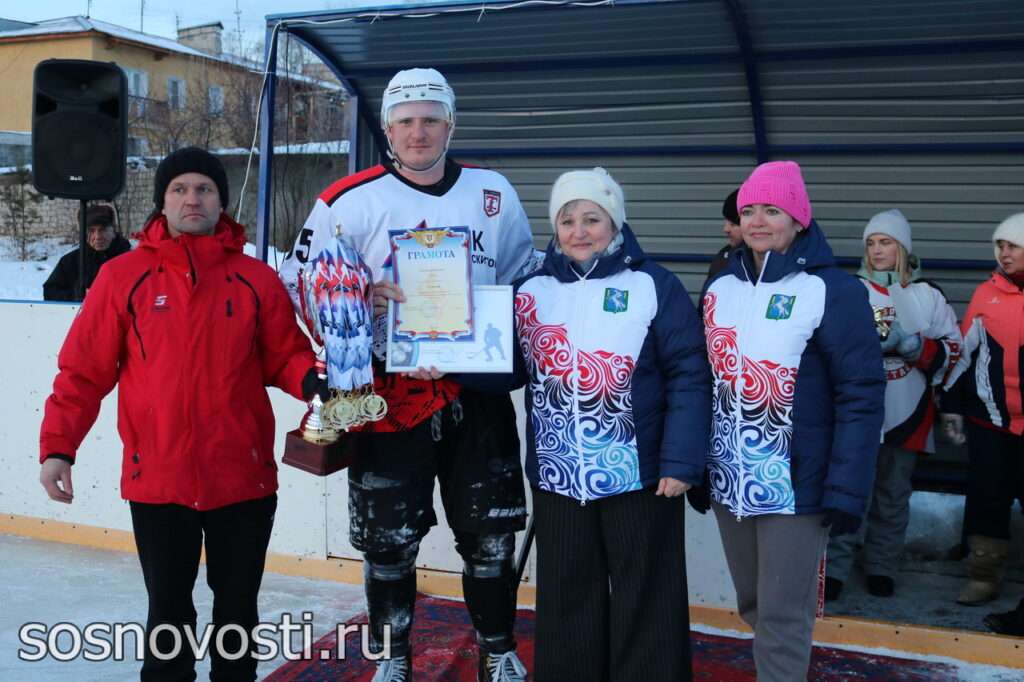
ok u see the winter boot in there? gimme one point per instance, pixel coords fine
(504, 667)
(398, 669)
(985, 565)
(881, 585)
(1008, 623)
(833, 587)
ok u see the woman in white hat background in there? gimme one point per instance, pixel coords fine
(920, 344)
(611, 351)
(988, 392)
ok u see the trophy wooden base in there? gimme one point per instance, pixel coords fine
(318, 459)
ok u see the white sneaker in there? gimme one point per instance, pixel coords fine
(504, 667)
(393, 670)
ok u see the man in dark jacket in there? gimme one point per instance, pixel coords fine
(191, 330)
(731, 229)
(102, 244)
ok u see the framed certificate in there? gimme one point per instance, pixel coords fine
(433, 268)
(489, 350)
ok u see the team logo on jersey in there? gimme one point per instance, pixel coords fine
(780, 307)
(492, 202)
(160, 303)
(615, 300)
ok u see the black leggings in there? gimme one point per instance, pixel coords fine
(995, 478)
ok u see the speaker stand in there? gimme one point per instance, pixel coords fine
(80, 285)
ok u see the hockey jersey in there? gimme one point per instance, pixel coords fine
(909, 398)
(365, 206)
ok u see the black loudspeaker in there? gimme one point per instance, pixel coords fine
(79, 129)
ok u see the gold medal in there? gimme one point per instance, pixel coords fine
(374, 407)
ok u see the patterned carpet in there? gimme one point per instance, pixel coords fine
(443, 651)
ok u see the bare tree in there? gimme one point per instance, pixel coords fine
(20, 210)
(308, 108)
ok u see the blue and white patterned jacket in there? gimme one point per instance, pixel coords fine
(798, 385)
(616, 374)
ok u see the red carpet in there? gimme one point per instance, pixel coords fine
(444, 651)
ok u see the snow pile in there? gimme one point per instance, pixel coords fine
(23, 280)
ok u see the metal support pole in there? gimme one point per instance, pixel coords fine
(265, 195)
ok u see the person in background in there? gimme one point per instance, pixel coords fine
(986, 388)
(102, 244)
(731, 229)
(191, 331)
(921, 344)
(798, 399)
(1008, 622)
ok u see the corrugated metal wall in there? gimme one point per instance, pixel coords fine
(658, 94)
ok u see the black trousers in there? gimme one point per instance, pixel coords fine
(995, 478)
(612, 601)
(472, 451)
(169, 539)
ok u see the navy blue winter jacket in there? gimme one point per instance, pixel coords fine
(616, 372)
(798, 383)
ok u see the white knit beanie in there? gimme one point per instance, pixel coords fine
(594, 185)
(892, 223)
(1010, 230)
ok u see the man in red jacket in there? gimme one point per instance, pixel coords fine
(192, 331)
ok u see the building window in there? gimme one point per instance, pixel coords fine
(137, 146)
(215, 100)
(138, 91)
(175, 93)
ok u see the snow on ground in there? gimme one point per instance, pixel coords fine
(51, 583)
(929, 580)
(23, 280)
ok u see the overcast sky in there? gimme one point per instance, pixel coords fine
(159, 16)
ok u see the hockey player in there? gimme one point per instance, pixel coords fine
(469, 443)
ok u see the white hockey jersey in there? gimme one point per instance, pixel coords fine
(909, 403)
(366, 205)
(363, 207)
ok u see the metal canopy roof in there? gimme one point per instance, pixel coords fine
(755, 79)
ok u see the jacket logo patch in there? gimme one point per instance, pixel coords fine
(615, 300)
(780, 307)
(160, 303)
(492, 202)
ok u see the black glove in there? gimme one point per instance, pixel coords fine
(840, 522)
(314, 384)
(699, 498)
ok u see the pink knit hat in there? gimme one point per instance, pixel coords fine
(780, 184)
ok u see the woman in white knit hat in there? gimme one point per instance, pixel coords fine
(921, 344)
(611, 351)
(988, 391)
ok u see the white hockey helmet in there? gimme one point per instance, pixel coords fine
(417, 85)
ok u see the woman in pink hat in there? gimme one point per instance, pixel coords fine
(798, 392)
